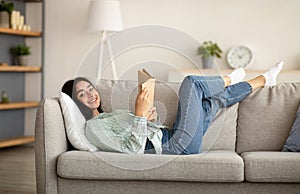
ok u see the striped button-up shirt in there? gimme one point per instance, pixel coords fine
(122, 131)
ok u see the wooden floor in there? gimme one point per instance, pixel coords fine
(17, 170)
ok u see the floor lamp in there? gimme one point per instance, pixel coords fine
(104, 17)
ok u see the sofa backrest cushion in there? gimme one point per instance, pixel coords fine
(266, 116)
(221, 135)
(121, 94)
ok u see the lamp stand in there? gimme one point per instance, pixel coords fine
(103, 41)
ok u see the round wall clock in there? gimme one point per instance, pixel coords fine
(240, 56)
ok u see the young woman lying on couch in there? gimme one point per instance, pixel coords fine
(200, 98)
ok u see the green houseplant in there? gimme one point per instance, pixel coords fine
(21, 53)
(208, 50)
(5, 11)
(8, 7)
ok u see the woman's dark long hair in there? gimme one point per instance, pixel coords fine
(69, 88)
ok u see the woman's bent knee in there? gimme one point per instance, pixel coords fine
(189, 79)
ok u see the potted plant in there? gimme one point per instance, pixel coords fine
(4, 97)
(5, 11)
(208, 50)
(21, 53)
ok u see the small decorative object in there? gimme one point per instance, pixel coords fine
(5, 11)
(17, 21)
(208, 50)
(240, 56)
(4, 97)
(21, 53)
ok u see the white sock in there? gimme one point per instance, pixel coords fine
(237, 75)
(271, 75)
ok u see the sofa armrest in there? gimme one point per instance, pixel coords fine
(50, 142)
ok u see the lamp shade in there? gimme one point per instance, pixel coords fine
(105, 15)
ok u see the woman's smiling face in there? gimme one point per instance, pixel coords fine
(87, 94)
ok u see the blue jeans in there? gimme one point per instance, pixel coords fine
(200, 98)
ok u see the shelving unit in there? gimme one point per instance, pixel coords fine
(23, 82)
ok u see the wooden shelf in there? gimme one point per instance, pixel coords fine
(33, 1)
(16, 141)
(19, 69)
(20, 32)
(18, 105)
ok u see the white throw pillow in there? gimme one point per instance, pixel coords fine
(75, 124)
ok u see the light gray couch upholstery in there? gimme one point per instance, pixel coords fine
(242, 149)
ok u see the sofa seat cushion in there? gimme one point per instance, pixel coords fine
(213, 166)
(272, 166)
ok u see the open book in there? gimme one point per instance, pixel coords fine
(146, 80)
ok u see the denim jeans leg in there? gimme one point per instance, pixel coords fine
(188, 128)
(229, 96)
(234, 94)
(207, 86)
(200, 98)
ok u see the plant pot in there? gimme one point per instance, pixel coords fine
(4, 19)
(23, 60)
(207, 62)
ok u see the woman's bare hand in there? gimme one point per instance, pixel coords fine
(152, 116)
(142, 103)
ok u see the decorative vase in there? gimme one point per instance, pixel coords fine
(207, 62)
(23, 60)
(4, 19)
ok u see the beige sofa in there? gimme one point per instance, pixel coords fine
(242, 149)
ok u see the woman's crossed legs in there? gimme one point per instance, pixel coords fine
(200, 98)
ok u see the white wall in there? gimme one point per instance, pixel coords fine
(268, 27)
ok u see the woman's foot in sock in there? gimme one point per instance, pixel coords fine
(271, 75)
(237, 75)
